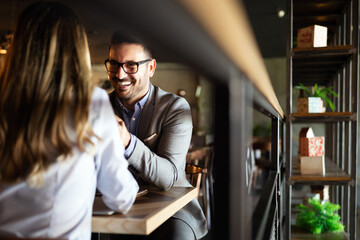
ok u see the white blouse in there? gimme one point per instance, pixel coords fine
(62, 207)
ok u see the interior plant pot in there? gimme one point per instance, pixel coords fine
(315, 105)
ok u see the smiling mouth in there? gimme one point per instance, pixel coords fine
(122, 83)
(125, 83)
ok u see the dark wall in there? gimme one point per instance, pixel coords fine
(269, 29)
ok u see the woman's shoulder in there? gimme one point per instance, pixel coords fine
(100, 104)
(99, 93)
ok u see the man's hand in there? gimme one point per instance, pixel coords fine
(125, 135)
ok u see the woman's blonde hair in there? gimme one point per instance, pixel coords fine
(45, 92)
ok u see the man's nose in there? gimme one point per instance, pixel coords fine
(121, 73)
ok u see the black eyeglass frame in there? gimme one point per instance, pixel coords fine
(122, 65)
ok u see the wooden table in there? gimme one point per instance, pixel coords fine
(148, 212)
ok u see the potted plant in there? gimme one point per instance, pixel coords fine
(317, 95)
(319, 216)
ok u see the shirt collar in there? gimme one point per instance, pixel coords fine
(140, 104)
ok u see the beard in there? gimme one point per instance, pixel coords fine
(131, 91)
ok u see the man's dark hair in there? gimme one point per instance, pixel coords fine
(121, 36)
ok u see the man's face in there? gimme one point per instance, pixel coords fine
(131, 87)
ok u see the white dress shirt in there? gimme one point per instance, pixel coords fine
(62, 207)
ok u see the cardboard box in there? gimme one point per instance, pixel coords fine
(312, 36)
(303, 105)
(312, 147)
(312, 165)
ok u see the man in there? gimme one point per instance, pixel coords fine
(156, 129)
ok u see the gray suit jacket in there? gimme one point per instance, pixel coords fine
(159, 158)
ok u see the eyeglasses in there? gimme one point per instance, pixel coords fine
(128, 67)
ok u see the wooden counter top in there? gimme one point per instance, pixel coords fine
(148, 212)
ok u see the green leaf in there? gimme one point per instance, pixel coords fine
(323, 92)
(328, 101)
(302, 87)
(315, 88)
(319, 216)
(332, 92)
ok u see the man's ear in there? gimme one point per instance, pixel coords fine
(152, 67)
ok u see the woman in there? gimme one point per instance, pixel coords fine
(57, 138)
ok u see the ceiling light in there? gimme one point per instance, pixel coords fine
(280, 13)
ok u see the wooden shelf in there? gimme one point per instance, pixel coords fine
(338, 50)
(323, 12)
(300, 234)
(334, 66)
(322, 117)
(319, 65)
(333, 175)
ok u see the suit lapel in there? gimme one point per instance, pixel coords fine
(115, 104)
(147, 114)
